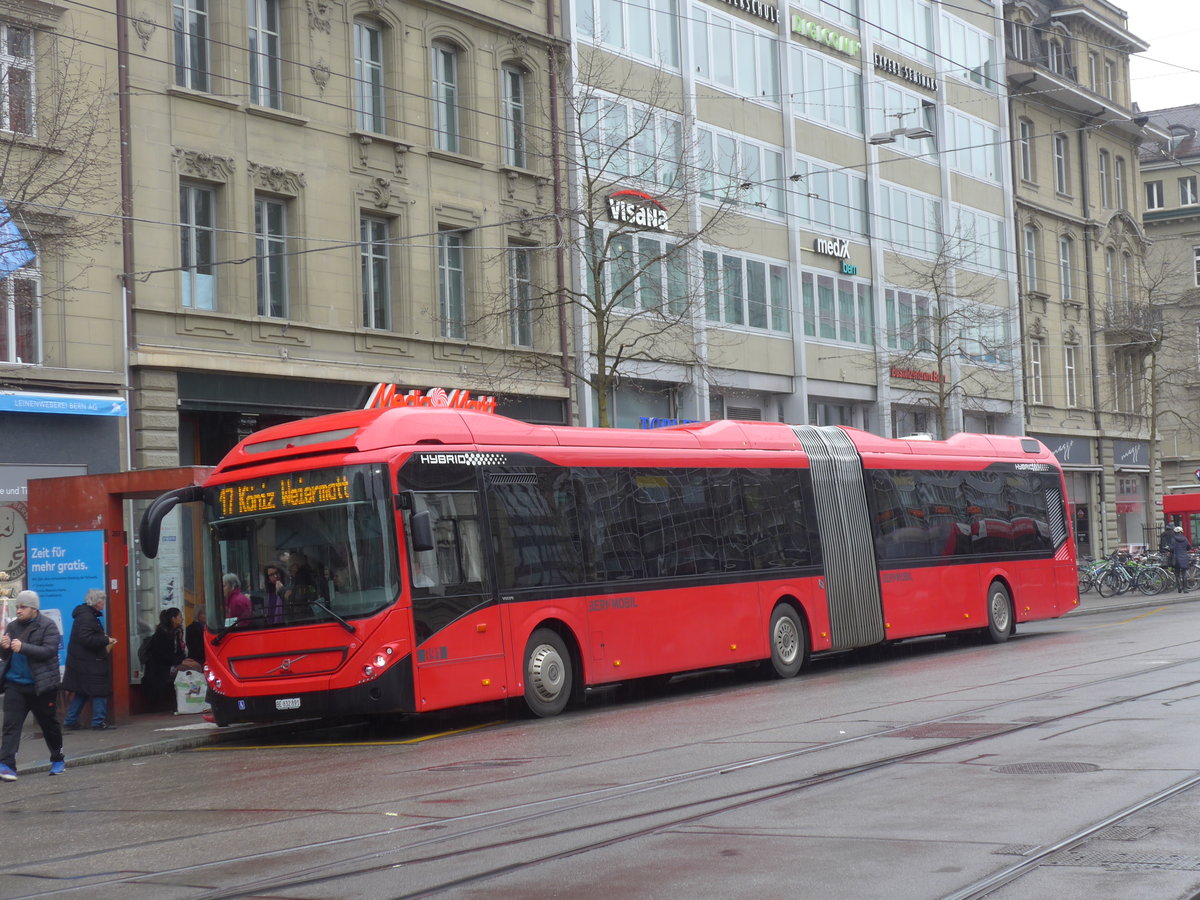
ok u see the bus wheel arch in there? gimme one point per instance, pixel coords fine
(1001, 613)
(552, 669)
(788, 639)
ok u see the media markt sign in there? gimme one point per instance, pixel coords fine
(638, 208)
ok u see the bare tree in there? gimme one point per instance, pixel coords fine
(1153, 357)
(955, 336)
(645, 193)
(56, 164)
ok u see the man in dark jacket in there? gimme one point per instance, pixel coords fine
(29, 656)
(89, 662)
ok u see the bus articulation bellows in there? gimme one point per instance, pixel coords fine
(437, 557)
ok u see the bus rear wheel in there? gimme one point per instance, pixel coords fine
(789, 642)
(999, 613)
(549, 674)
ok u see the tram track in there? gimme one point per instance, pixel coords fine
(534, 818)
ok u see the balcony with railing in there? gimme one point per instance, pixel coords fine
(1128, 321)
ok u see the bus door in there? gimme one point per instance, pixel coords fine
(459, 656)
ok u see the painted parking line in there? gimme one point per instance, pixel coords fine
(415, 740)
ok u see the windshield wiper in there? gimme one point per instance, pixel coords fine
(350, 628)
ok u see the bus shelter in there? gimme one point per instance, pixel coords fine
(80, 521)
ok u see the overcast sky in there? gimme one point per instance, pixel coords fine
(1168, 74)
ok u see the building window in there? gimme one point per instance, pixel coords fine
(745, 292)
(514, 115)
(198, 246)
(1127, 372)
(452, 285)
(647, 31)
(908, 219)
(1154, 195)
(1110, 79)
(1105, 173)
(21, 316)
(1018, 40)
(1025, 149)
(1110, 274)
(1119, 182)
(831, 198)
(270, 250)
(1196, 266)
(1056, 57)
(191, 44)
(642, 272)
(838, 309)
(910, 320)
(734, 167)
(1069, 375)
(1066, 253)
(1126, 280)
(735, 56)
(520, 295)
(1094, 72)
(1187, 191)
(263, 27)
(1062, 180)
(972, 52)
(446, 123)
(1036, 385)
(368, 76)
(375, 252)
(16, 79)
(825, 90)
(974, 146)
(622, 138)
(1029, 249)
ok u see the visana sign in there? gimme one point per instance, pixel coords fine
(639, 209)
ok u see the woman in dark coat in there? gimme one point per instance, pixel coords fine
(166, 654)
(89, 662)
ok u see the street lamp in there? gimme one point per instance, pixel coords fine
(917, 132)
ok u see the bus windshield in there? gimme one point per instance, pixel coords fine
(299, 548)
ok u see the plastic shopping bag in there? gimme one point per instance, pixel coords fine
(189, 692)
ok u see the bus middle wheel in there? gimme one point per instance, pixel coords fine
(999, 614)
(789, 642)
(549, 675)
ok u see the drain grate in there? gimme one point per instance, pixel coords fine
(1046, 768)
(1104, 858)
(951, 730)
(1123, 833)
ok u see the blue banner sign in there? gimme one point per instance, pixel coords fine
(63, 567)
(68, 404)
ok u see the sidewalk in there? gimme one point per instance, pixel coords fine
(154, 734)
(136, 736)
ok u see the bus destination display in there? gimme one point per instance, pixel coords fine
(282, 493)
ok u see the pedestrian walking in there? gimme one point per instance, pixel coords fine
(1181, 548)
(29, 679)
(89, 663)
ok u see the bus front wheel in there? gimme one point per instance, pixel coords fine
(789, 643)
(549, 675)
(999, 613)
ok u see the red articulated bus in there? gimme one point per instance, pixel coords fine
(442, 557)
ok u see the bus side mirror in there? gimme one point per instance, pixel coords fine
(421, 531)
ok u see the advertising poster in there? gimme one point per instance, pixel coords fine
(62, 568)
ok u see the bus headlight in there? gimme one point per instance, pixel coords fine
(369, 670)
(380, 660)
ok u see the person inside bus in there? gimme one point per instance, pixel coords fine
(274, 601)
(238, 608)
(1181, 549)
(419, 578)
